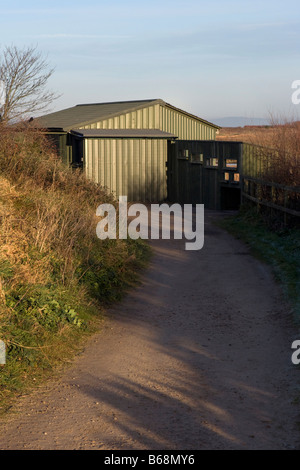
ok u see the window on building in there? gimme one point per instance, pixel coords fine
(230, 163)
(183, 153)
(213, 161)
(197, 157)
(236, 177)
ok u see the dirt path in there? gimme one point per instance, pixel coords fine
(197, 357)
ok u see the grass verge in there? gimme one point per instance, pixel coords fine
(281, 250)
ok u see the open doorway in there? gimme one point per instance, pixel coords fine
(230, 198)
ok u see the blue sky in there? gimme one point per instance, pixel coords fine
(212, 58)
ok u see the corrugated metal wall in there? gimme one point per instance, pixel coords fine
(137, 167)
(145, 118)
(256, 160)
(132, 167)
(159, 117)
(185, 127)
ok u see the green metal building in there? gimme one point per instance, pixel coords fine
(125, 146)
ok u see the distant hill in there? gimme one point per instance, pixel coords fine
(239, 121)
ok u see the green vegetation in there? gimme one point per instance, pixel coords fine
(56, 276)
(279, 249)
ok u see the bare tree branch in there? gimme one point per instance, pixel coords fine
(24, 75)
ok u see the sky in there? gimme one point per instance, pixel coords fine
(213, 58)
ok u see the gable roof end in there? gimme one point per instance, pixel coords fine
(85, 114)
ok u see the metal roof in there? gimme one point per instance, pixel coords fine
(123, 133)
(85, 114)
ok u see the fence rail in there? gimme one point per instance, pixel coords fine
(279, 197)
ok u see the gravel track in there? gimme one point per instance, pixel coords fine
(198, 356)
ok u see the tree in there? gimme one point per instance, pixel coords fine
(23, 75)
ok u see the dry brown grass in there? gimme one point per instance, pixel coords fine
(244, 134)
(55, 274)
(43, 205)
(281, 148)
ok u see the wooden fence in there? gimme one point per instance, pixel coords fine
(279, 201)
